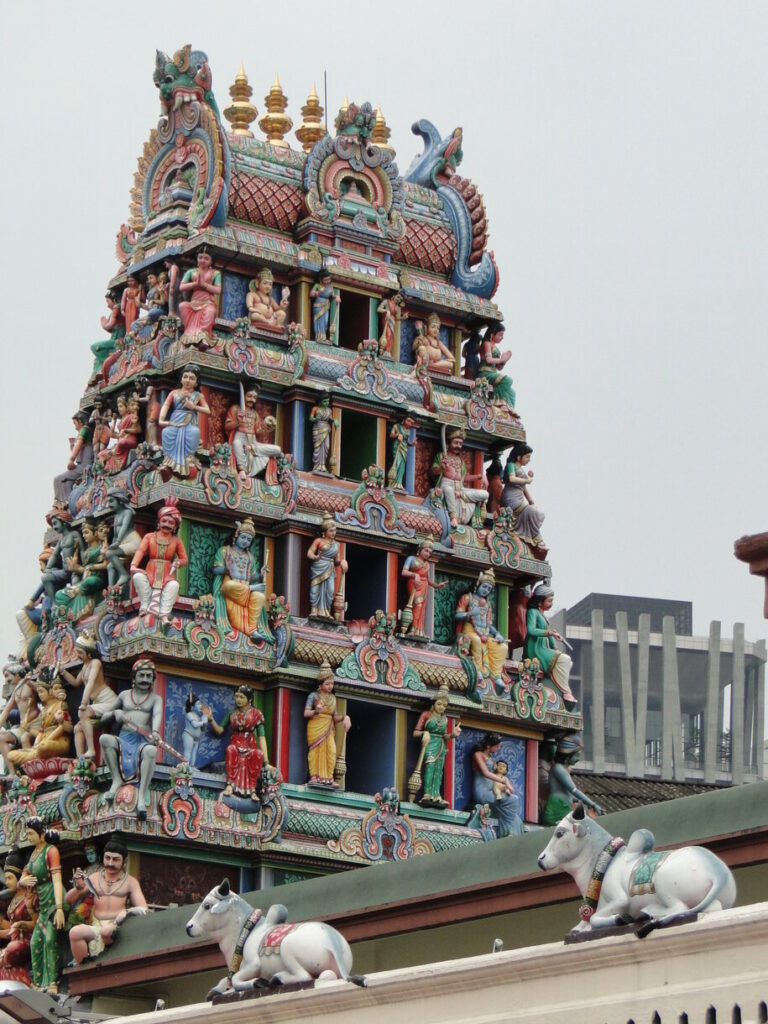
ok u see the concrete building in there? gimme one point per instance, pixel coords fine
(660, 702)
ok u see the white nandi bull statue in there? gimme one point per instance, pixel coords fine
(624, 883)
(262, 949)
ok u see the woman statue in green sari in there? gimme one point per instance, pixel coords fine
(43, 874)
(432, 729)
(492, 363)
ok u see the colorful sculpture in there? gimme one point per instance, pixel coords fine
(67, 552)
(80, 459)
(540, 642)
(112, 890)
(18, 923)
(43, 874)
(89, 576)
(252, 457)
(450, 475)
(391, 310)
(179, 419)
(22, 699)
(416, 572)
(322, 719)
(239, 588)
(491, 786)
(196, 716)
(516, 495)
(326, 564)
(401, 436)
(114, 324)
(326, 303)
(53, 729)
(432, 730)
(127, 432)
(263, 311)
(630, 882)
(131, 300)
(562, 789)
(492, 364)
(428, 346)
(474, 616)
(198, 312)
(156, 584)
(132, 754)
(297, 952)
(322, 420)
(97, 699)
(153, 307)
(246, 752)
(125, 538)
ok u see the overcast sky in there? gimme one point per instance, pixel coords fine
(622, 152)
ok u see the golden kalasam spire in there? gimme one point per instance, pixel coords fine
(276, 123)
(380, 134)
(311, 129)
(241, 111)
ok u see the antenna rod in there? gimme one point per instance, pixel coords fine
(325, 98)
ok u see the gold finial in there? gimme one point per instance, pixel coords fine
(344, 106)
(311, 129)
(241, 111)
(276, 123)
(380, 134)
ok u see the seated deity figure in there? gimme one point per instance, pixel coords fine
(78, 599)
(54, 727)
(22, 699)
(263, 311)
(239, 588)
(540, 642)
(246, 752)
(156, 583)
(450, 475)
(474, 618)
(67, 554)
(492, 363)
(80, 459)
(253, 458)
(439, 357)
(125, 538)
(198, 312)
(98, 696)
(132, 754)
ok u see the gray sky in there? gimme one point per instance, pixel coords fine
(622, 152)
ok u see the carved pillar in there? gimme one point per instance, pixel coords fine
(671, 736)
(598, 692)
(737, 706)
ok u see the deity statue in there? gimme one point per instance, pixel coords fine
(493, 475)
(540, 642)
(322, 719)
(153, 307)
(322, 421)
(100, 422)
(53, 729)
(263, 311)
(471, 354)
(19, 922)
(562, 789)
(112, 889)
(432, 730)
(450, 475)
(517, 496)
(156, 584)
(239, 588)
(89, 568)
(114, 324)
(80, 459)
(326, 304)
(439, 357)
(126, 432)
(66, 554)
(196, 717)
(125, 539)
(252, 457)
(391, 309)
(198, 313)
(132, 754)
(149, 398)
(98, 696)
(22, 699)
(492, 364)
(416, 572)
(474, 617)
(131, 300)
(179, 419)
(43, 875)
(401, 438)
(246, 752)
(325, 560)
(491, 785)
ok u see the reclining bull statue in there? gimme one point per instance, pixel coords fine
(624, 883)
(261, 949)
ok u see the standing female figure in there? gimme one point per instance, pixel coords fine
(320, 712)
(198, 312)
(179, 418)
(325, 558)
(247, 749)
(43, 874)
(432, 729)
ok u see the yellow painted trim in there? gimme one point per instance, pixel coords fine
(401, 736)
(269, 556)
(336, 440)
(381, 441)
(280, 428)
(457, 349)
